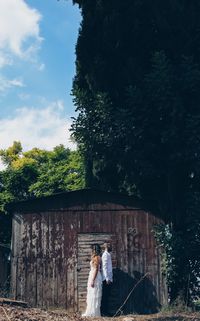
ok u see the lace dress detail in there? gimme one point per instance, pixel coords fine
(94, 294)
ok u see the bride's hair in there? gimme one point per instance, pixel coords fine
(96, 250)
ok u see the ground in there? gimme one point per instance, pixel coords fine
(10, 313)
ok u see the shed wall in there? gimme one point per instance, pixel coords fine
(45, 253)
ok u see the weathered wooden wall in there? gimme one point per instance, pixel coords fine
(46, 257)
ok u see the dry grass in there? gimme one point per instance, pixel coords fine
(8, 313)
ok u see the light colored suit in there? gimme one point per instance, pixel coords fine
(107, 273)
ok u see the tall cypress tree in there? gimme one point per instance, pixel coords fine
(137, 93)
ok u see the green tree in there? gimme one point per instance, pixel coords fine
(64, 171)
(137, 93)
(37, 173)
(12, 153)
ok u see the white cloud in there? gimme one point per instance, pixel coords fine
(6, 84)
(16, 82)
(44, 128)
(19, 30)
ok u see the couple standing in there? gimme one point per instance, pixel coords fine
(99, 281)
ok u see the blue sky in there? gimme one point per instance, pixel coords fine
(37, 55)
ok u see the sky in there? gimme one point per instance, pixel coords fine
(37, 66)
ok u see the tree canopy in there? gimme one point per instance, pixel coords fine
(137, 93)
(35, 173)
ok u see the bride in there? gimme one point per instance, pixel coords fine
(94, 286)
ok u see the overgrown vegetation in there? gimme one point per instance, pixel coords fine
(137, 93)
(174, 247)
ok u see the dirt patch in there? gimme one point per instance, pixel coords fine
(8, 313)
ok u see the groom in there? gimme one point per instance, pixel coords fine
(107, 275)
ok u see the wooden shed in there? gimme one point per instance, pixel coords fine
(51, 241)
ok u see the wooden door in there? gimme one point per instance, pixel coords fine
(84, 255)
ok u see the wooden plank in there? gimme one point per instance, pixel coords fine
(21, 276)
(16, 246)
(34, 236)
(44, 234)
(31, 287)
(62, 282)
(70, 289)
(14, 277)
(76, 284)
(13, 302)
(84, 255)
(39, 281)
(59, 235)
(28, 235)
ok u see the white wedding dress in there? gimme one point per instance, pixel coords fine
(94, 294)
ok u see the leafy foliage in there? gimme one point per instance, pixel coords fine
(137, 93)
(183, 279)
(59, 174)
(11, 154)
(36, 173)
